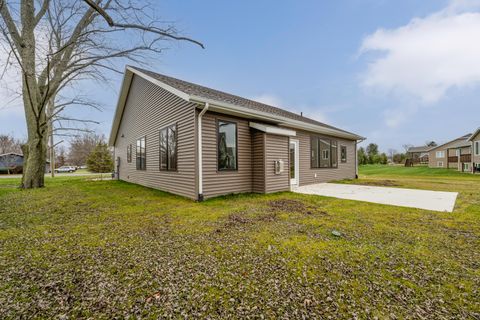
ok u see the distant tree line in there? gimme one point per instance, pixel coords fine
(85, 149)
(371, 155)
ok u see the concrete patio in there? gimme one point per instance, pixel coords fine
(413, 198)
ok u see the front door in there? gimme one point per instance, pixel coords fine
(293, 152)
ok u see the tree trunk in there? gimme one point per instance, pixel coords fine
(34, 163)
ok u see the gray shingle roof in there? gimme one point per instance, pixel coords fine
(216, 95)
(420, 149)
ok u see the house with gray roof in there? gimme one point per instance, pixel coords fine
(419, 154)
(454, 154)
(199, 142)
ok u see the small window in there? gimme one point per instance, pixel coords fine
(343, 154)
(141, 155)
(129, 153)
(466, 167)
(440, 164)
(314, 152)
(227, 145)
(334, 153)
(440, 154)
(168, 148)
(477, 148)
(325, 154)
(457, 152)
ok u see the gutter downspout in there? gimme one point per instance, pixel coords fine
(200, 152)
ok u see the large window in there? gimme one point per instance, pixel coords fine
(343, 153)
(440, 154)
(141, 154)
(168, 148)
(227, 145)
(324, 153)
(129, 153)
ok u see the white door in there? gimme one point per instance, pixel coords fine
(294, 162)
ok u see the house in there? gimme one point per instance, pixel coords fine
(200, 143)
(475, 140)
(419, 154)
(456, 154)
(13, 163)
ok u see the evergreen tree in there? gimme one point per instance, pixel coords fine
(100, 159)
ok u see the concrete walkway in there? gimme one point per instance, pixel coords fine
(413, 198)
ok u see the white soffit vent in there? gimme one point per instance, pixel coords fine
(273, 130)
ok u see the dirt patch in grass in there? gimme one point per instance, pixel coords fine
(381, 183)
(292, 205)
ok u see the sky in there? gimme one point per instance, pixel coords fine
(395, 72)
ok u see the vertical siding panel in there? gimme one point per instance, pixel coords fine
(258, 160)
(148, 109)
(276, 148)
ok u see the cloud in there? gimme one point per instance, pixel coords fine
(427, 57)
(315, 113)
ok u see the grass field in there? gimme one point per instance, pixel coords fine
(106, 249)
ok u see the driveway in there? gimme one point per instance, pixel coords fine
(413, 198)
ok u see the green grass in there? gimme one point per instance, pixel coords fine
(106, 249)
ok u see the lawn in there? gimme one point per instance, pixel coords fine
(109, 249)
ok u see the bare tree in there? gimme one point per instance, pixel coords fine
(9, 144)
(57, 43)
(82, 146)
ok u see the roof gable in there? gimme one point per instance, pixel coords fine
(475, 135)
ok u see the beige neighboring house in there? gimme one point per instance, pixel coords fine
(200, 143)
(419, 154)
(475, 140)
(455, 154)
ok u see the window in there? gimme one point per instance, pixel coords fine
(343, 153)
(323, 153)
(440, 164)
(477, 148)
(466, 167)
(141, 155)
(457, 152)
(440, 154)
(168, 148)
(227, 145)
(129, 153)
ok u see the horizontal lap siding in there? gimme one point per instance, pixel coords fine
(215, 182)
(258, 158)
(475, 159)
(344, 170)
(148, 109)
(276, 148)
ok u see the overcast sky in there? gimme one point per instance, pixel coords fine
(396, 72)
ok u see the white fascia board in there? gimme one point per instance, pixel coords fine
(161, 84)
(272, 129)
(474, 135)
(122, 99)
(232, 109)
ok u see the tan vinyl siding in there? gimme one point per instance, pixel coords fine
(215, 182)
(276, 148)
(344, 171)
(258, 161)
(148, 109)
(433, 160)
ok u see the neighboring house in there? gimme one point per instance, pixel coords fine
(475, 140)
(200, 143)
(419, 154)
(456, 154)
(13, 163)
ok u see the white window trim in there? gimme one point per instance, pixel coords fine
(327, 153)
(438, 164)
(440, 154)
(476, 145)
